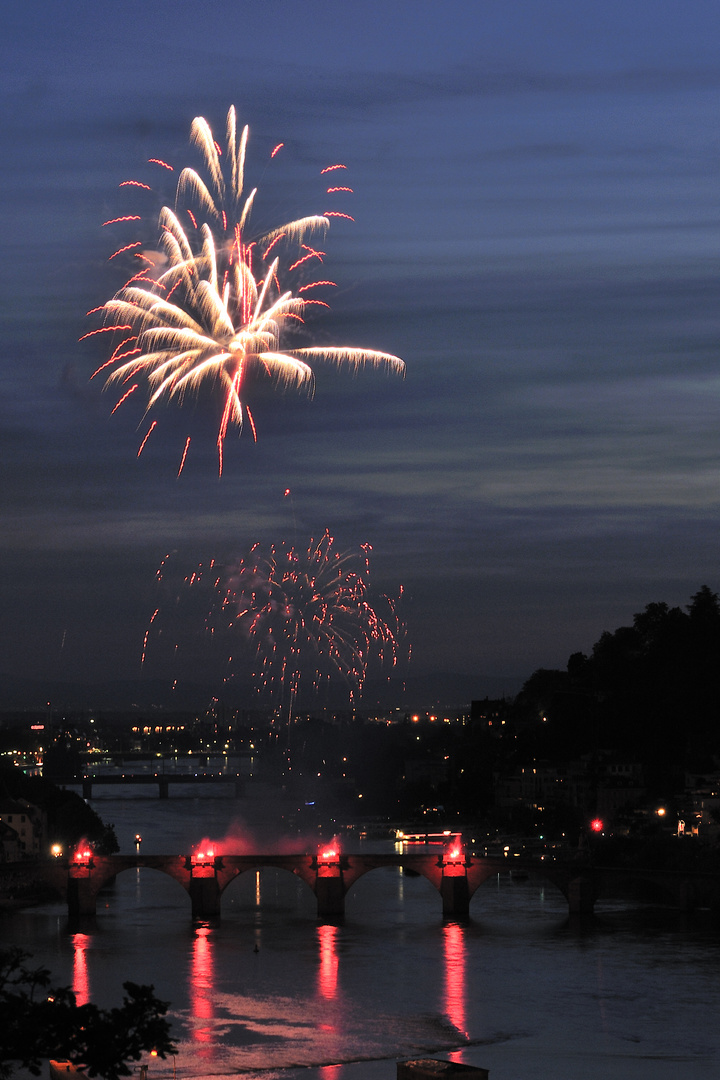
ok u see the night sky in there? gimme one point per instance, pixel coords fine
(537, 234)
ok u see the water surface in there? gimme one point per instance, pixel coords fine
(519, 989)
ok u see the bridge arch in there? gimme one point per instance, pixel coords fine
(253, 885)
(84, 879)
(402, 885)
(174, 890)
(656, 888)
(507, 878)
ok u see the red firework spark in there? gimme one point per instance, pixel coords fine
(307, 616)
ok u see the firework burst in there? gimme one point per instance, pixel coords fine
(217, 306)
(307, 615)
(299, 618)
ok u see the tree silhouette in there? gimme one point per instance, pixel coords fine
(39, 1022)
(649, 692)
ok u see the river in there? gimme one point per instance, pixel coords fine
(518, 989)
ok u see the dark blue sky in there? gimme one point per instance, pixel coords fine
(537, 234)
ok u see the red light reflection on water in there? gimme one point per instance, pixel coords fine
(455, 989)
(328, 970)
(81, 979)
(328, 1072)
(201, 990)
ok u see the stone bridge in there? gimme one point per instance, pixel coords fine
(330, 876)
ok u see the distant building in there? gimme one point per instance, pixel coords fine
(9, 844)
(543, 784)
(704, 796)
(28, 822)
(491, 714)
(620, 788)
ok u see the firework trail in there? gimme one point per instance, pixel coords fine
(217, 307)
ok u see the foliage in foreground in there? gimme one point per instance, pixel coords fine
(40, 1022)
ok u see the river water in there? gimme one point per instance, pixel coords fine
(518, 989)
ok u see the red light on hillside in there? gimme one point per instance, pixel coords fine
(597, 824)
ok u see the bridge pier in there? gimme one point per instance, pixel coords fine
(204, 897)
(330, 893)
(87, 789)
(163, 787)
(455, 896)
(81, 897)
(581, 896)
(329, 885)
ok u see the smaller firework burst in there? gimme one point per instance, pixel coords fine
(301, 619)
(307, 617)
